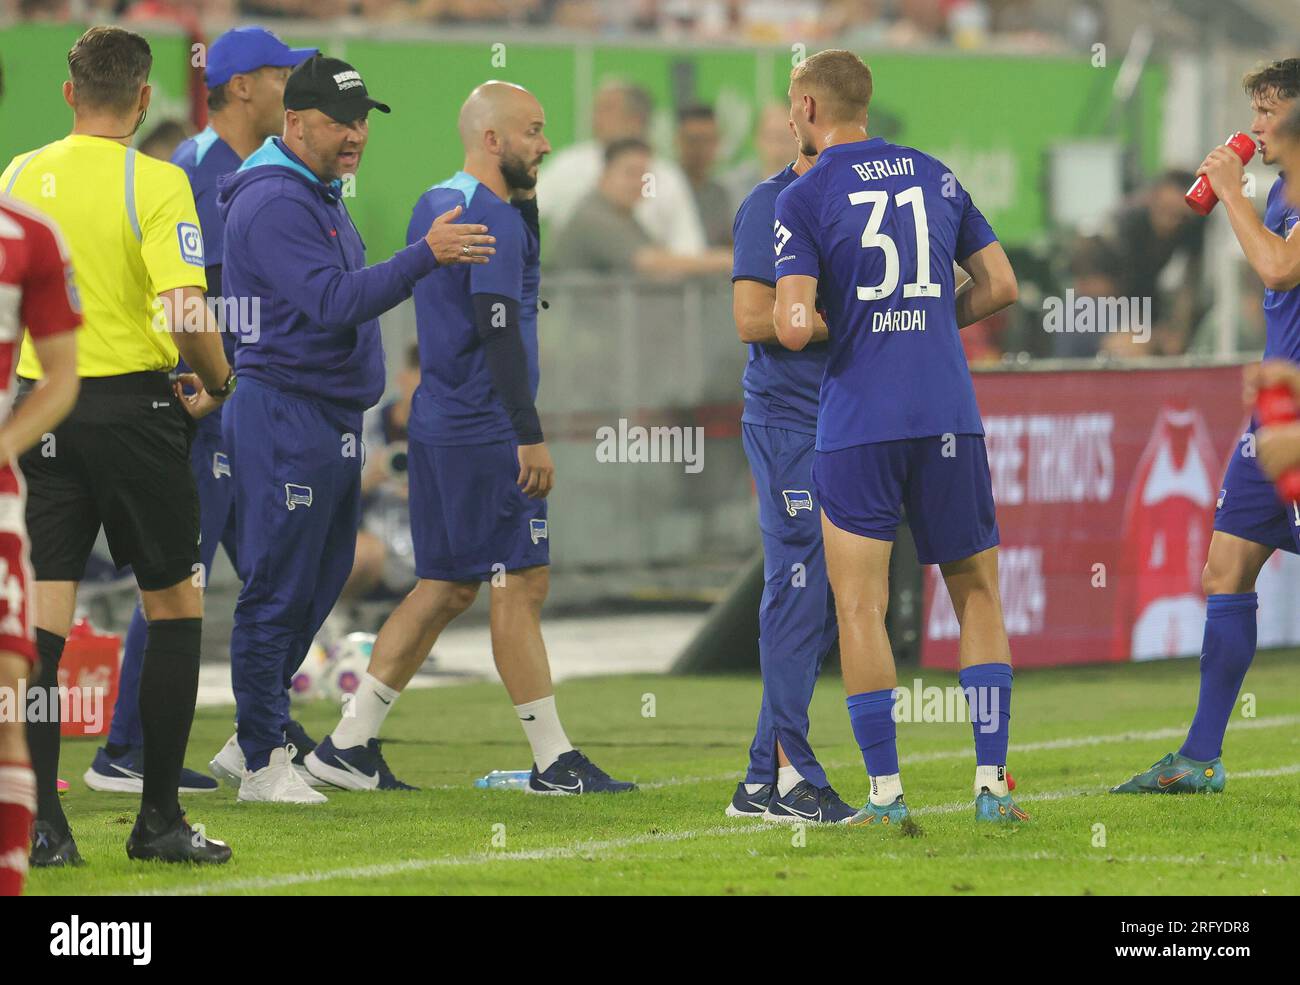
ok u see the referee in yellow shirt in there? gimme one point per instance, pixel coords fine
(120, 461)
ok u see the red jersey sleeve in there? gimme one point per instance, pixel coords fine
(50, 301)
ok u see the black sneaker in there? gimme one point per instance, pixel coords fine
(159, 839)
(804, 802)
(354, 768)
(572, 774)
(750, 804)
(297, 737)
(53, 846)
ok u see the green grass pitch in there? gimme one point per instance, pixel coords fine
(1074, 733)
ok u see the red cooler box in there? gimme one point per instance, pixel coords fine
(90, 666)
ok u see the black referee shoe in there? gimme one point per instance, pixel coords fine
(53, 847)
(159, 839)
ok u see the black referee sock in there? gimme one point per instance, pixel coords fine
(43, 737)
(169, 687)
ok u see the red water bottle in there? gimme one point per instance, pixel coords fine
(1276, 405)
(1201, 196)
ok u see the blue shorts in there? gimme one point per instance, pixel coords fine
(943, 482)
(1249, 506)
(469, 518)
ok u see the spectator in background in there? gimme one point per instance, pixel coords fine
(163, 139)
(772, 136)
(665, 207)
(697, 153)
(604, 235)
(1097, 270)
(1160, 242)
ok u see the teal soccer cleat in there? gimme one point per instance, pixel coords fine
(1177, 774)
(999, 810)
(894, 813)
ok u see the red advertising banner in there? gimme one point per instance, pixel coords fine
(1105, 482)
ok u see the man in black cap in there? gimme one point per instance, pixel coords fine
(307, 372)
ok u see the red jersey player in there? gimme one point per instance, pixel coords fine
(36, 292)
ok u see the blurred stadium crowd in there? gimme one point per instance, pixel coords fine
(1032, 24)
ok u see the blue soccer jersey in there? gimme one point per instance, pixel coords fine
(455, 403)
(880, 225)
(780, 386)
(206, 158)
(1281, 308)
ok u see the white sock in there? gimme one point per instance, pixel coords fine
(993, 777)
(545, 734)
(886, 789)
(365, 713)
(786, 778)
(753, 788)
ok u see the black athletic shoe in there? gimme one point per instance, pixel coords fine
(573, 773)
(354, 768)
(804, 802)
(158, 839)
(53, 847)
(297, 737)
(750, 804)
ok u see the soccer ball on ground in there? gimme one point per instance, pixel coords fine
(348, 663)
(308, 681)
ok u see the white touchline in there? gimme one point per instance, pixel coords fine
(583, 848)
(1046, 745)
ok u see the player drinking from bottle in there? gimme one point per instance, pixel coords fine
(1250, 521)
(873, 229)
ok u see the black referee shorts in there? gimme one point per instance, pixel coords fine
(120, 461)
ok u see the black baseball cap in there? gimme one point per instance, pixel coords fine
(332, 86)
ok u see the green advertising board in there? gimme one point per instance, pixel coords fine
(990, 118)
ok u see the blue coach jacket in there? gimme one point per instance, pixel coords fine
(291, 244)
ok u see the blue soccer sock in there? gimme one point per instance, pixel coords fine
(1226, 653)
(125, 732)
(988, 694)
(872, 717)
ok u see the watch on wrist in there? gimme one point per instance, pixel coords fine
(226, 390)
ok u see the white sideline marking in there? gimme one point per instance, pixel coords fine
(584, 848)
(1046, 745)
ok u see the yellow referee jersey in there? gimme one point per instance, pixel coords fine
(133, 232)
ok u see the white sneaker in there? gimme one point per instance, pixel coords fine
(278, 782)
(228, 765)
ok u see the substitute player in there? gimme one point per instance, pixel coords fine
(1250, 522)
(120, 461)
(478, 465)
(245, 74)
(36, 291)
(796, 619)
(293, 428)
(876, 228)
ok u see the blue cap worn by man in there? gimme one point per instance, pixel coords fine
(314, 364)
(247, 49)
(246, 73)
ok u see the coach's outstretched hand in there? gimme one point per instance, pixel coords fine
(454, 242)
(536, 470)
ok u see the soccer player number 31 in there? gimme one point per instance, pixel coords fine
(873, 238)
